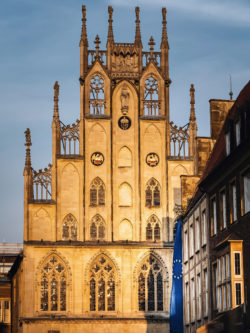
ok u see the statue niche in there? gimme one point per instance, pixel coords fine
(124, 97)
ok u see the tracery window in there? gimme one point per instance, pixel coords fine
(97, 192)
(150, 285)
(152, 193)
(102, 285)
(97, 228)
(96, 101)
(151, 101)
(153, 230)
(69, 228)
(53, 285)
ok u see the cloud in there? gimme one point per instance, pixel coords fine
(227, 12)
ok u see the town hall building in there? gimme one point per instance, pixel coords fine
(99, 220)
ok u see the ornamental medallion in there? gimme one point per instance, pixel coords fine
(97, 158)
(152, 159)
(124, 123)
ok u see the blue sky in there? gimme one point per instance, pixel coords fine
(39, 44)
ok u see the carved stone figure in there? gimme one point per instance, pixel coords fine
(124, 100)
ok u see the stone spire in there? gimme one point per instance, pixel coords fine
(84, 38)
(151, 44)
(164, 37)
(110, 31)
(138, 41)
(192, 102)
(56, 98)
(28, 144)
(231, 89)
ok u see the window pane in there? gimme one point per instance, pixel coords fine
(159, 292)
(141, 292)
(237, 263)
(92, 295)
(101, 295)
(246, 181)
(151, 292)
(238, 293)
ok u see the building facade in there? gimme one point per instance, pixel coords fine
(223, 192)
(99, 220)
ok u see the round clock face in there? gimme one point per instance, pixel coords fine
(152, 159)
(97, 158)
(124, 123)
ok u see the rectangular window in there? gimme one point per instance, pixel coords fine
(215, 286)
(228, 143)
(224, 266)
(1, 312)
(228, 267)
(198, 296)
(185, 246)
(191, 238)
(238, 293)
(246, 192)
(197, 234)
(237, 263)
(224, 210)
(204, 227)
(224, 297)
(233, 202)
(6, 305)
(187, 303)
(192, 300)
(219, 270)
(206, 293)
(229, 295)
(213, 217)
(237, 132)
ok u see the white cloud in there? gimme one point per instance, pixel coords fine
(227, 11)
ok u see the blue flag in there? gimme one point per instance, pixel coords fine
(176, 303)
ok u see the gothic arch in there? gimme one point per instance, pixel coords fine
(97, 192)
(150, 275)
(97, 228)
(69, 165)
(179, 170)
(158, 257)
(94, 257)
(152, 193)
(125, 228)
(40, 225)
(54, 261)
(99, 128)
(125, 195)
(124, 157)
(152, 126)
(153, 228)
(70, 228)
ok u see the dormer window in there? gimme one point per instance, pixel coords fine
(237, 132)
(228, 143)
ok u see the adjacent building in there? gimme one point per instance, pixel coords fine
(224, 194)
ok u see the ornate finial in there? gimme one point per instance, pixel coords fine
(151, 44)
(56, 98)
(97, 43)
(110, 31)
(164, 38)
(27, 144)
(137, 29)
(84, 38)
(192, 102)
(231, 91)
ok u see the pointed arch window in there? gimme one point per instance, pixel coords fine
(150, 285)
(152, 193)
(69, 231)
(102, 289)
(53, 285)
(153, 229)
(151, 100)
(97, 192)
(96, 99)
(97, 228)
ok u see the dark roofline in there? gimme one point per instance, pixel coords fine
(15, 266)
